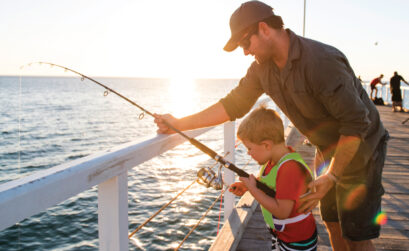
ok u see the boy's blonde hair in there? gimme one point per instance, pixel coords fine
(262, 124)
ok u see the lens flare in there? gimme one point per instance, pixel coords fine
(322, 168)
(381, 218)
(355, 197)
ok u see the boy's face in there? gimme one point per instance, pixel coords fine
(259, 152)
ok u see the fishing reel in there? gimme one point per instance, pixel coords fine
(208, 178)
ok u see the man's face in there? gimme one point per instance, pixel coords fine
(254, 44)
(245, 41)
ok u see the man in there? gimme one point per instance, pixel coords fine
(314, 85)
(396, 92)
(373, 84)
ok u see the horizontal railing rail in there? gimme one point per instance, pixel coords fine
(384, 92)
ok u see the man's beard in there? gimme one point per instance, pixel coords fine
(260, 60)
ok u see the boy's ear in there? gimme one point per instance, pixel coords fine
(268, 144)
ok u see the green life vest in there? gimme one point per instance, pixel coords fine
(270, 181)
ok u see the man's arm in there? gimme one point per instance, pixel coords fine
(346, 149)
(404, 80)
(335, 88)
(211, 116)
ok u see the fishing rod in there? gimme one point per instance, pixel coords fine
(193, 141)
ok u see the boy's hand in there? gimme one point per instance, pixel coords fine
(238, 188)
(250, 182)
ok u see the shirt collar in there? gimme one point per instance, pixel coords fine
(294, 52)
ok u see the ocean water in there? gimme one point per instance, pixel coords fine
(47, 121)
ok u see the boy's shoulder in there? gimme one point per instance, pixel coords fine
(292, 157)
(292, 167)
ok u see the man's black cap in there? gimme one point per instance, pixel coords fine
(247, 14)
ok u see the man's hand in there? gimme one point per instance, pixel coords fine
(310, 200)
(346, 149)
(238, 188)
(162, 127)
(211, 116)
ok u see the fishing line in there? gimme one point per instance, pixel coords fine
(167, 204)
(220, 215)
(160, 210)
(193, 141)
(200, 220)
(19, 146)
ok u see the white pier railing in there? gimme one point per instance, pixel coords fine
(384, 92)
(27, 196)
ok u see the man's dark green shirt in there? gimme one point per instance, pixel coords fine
(318, 91)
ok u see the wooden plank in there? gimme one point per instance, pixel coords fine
(391, 244)
(259, 245)
(233, 229)
(256, 234)
(393, 233)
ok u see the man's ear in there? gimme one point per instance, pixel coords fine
(263, 28)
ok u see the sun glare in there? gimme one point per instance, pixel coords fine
(183, 96)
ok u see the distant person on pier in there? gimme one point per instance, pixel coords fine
(396, 91)
(373, 84)
(283, 170)
(316, 88)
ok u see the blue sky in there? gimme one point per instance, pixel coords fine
(145, 38)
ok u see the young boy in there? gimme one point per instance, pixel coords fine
(284, 170)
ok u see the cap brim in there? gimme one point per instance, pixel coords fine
(231, 45)
(234, 40)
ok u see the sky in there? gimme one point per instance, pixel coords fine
(185, 38)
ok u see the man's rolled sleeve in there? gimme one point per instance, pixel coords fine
(338, 94)
(242, 98)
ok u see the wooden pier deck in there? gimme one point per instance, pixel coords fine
(395, 202)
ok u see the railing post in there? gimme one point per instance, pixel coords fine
(229, 147)
(113, 213)
(403, 96)
(385, 99)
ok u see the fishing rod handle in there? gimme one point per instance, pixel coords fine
(204, 148)
(263, 187)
